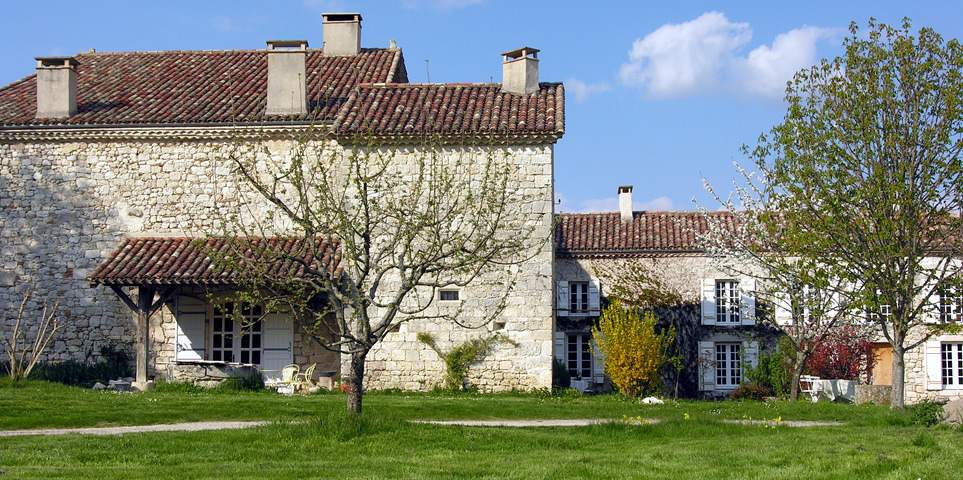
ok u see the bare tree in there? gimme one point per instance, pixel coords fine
(22, 354)
(798, 296)
(379, 230)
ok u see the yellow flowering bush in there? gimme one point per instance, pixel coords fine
(626, 340)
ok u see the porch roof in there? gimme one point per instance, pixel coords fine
(213, 261)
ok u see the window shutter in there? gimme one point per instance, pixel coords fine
(560, 346)
(278, 342)
(783, 309)
(562, 299)
(750, 355)
(747, 304)
(933, 365)
(708, 301)
(598, 363)
(191, 314)
(707, 359)
(594, 303)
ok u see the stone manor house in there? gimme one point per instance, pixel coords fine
(111, 164)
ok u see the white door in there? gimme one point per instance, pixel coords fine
(278, 341)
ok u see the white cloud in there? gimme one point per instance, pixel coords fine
(767, 69)
(583, 91)
(702, 56)
(679, 59)
(611, 204)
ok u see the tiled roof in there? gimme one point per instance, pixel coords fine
(196, 86)
(452, 108)
(180, 260)
(604, 233)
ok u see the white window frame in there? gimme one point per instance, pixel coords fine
(578, 355)
(245, 338)
(951, 304)
(728, 298)
(951, 365)
(728, 365)
(578, 303)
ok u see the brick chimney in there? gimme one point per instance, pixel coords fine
(625, 203)
(287, 84)
(520, 71)
(56, 87)
(342, 34)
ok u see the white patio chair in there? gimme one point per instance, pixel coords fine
(807, 384)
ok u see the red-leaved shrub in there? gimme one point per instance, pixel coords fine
(845, 354)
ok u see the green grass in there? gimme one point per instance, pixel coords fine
(875, 442)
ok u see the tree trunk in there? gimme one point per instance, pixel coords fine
(797, 370)
(897, 397)
(356, 382)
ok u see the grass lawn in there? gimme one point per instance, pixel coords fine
(874, 443)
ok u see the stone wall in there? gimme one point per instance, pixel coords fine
(66, 204)
(915, 387)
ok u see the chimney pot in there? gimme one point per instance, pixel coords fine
(287, 84)
(625, 203)
(342, 34)
(56, 87)
(520, 71)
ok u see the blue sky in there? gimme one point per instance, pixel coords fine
(659, 94)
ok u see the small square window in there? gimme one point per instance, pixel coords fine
(449, 295)
(499, 326)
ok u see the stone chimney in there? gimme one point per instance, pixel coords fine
(625, 203)
(342, 34)
(520, 71)
(287, 86)
(56, 87)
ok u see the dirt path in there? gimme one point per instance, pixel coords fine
(177, 427)
(199, 426)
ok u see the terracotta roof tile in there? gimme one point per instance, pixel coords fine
(196, 86)
(179, 260)
(604, 233)
(452, 109)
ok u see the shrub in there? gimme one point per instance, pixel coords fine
(774, 370)
(846, 354)
(561, 379)
(633, 352)
(927, 412)
(751, 391)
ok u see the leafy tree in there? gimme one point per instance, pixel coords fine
(798, 295)
(865, 172)
(380, 229)
(632, 350)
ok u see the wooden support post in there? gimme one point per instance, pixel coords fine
(145, 297)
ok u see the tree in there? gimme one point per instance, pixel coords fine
(865, 170)
(799, 294)
(382, 228)
(23, 355)
(632, 350)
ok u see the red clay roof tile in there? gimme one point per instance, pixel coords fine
(180, 260)
(604, 233)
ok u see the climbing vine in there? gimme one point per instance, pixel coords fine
(459, 359)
